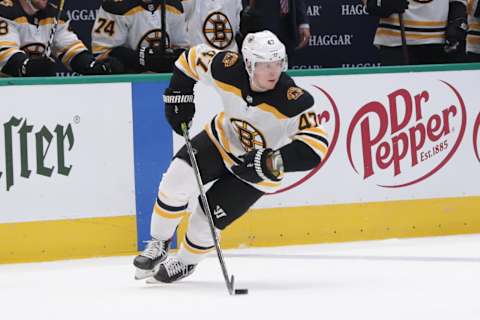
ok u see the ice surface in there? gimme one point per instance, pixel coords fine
(425, 278)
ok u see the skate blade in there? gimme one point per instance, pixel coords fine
(141, 274)
(152, 280)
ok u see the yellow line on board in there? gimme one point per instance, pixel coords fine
(67, 239)
(352, 222)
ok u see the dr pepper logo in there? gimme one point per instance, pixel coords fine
(408, 135)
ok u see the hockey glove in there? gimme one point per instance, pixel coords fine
(259, 165)
(385, 8)
(156, 59)
(179, 108)
(105, 67)
(456, 27)
(36, 66)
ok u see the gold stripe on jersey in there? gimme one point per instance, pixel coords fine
(223, 138)
(473, 39)
(47, 21)
(229, 88)
(134, 11)
(173, 10)
(192, 59)
(409, 23)
(5, 54)
(268, 184)
(169, 215)
(226, 158)
(21, 20)
(411, 35)
(313, 143)
(183, 65)
(8, 44)
(474, 26)
(271, 109)
(72, 51)
(97, 49)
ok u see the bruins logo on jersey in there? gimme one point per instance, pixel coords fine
(153, 39)
(34, 49)
(230, 59)
(249, 136)
(293, 93)
(218, 30)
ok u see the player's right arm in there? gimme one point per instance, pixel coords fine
(193, 65)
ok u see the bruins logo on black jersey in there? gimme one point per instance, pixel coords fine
(230, 59)
(34, 49)
(293, 93)
(218, 30)
(249, 136)
(153, 39)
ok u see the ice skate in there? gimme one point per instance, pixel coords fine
(155, 252)
(172, 270)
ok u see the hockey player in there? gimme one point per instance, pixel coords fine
(433, 28)
(25, 28)
(473, 35)
(214, 23)
(131, 32)
(269, 127)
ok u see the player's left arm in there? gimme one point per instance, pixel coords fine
(308, 147)
(74, 54)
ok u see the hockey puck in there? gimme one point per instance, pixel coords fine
(241, 291)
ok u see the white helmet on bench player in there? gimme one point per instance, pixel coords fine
(263, 46)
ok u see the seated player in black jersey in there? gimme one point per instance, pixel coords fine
(268, 128)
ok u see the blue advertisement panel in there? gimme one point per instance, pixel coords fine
(342, 35)
(153, 147)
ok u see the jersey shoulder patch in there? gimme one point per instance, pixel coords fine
(227, 66)
(10, 10)
(119, 7)
(289, 99)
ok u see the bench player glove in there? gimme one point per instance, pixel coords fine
(104, 67)
(179, 108)
(385, 8)
(37, 67)
(457, 26)
(259, 165)
(156, 59)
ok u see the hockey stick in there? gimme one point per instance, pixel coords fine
(48, 49)
(228, 281)
(163, 13)
(406, 57)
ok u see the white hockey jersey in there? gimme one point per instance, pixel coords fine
(30, 34)
(473, 35)
(213, 22)
(425, 23)
(134, 24)
(253, 120)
